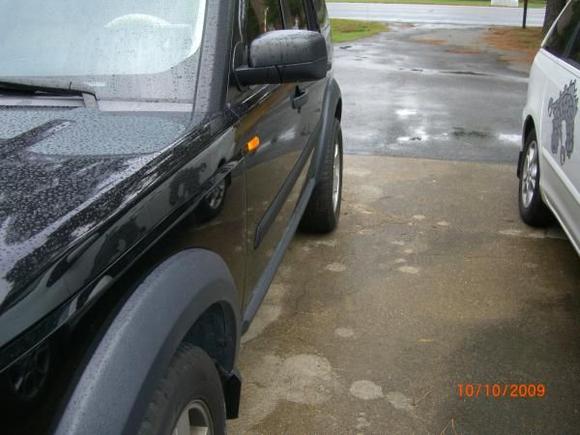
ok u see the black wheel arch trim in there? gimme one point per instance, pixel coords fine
(116, 385)
(332, 101)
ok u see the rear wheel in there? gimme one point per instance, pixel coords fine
(532, 208)
(189, 399)
(323, 211)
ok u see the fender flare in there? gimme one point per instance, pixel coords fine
(116, 385)
(332, 98)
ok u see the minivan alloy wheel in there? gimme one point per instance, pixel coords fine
(530, 174)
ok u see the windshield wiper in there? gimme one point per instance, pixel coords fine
(47, 89)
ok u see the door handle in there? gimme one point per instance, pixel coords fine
(299, 99)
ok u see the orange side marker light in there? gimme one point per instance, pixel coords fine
(253, 144)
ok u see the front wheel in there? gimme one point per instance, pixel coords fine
(532, 208)
(189, 399)
(323, 211)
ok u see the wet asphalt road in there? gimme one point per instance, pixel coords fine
(481, 16)
(430, 91)
(431, 279)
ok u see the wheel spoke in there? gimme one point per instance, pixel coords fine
(182, 427)
(532, 155)
(194, 420)
(530, 172)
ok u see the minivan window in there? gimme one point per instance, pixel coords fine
(263, 16)
(102, 41)
(565, 32)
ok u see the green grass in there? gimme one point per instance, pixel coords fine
(532, 3)
(351, 30)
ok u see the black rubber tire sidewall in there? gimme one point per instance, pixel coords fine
(536, 214)
(191, 375)
(320, 215)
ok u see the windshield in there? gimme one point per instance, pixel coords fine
(124, 49)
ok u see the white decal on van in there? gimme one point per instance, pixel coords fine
(564, 110)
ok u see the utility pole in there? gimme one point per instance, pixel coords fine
(525, 13)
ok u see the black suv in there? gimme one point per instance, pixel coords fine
(157, 157)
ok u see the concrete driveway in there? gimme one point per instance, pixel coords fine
(464, 15)
(431, 280)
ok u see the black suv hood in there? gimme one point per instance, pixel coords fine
(59, 170)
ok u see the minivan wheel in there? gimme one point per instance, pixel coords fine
(532, 208)
(189, 399)
(323, 211)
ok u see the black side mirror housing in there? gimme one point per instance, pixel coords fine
(285, 56)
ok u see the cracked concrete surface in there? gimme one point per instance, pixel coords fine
(488, 303)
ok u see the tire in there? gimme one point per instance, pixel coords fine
(191, 379)
(323, 211)
(532, 208)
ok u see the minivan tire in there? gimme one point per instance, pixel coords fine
(191, 379)
(532, 208)
(323, 211)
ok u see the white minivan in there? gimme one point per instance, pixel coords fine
(549, 164)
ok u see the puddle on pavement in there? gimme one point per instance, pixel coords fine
(460, 132)
(467, 73)
(405, 113)
(512, 138)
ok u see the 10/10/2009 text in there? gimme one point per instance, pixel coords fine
(501, 391)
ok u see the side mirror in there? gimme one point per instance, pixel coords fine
(285, 56)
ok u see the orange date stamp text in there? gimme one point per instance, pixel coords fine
(501, 391)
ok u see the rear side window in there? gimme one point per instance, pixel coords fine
(263, 16)
(297, 18)
(563, 41)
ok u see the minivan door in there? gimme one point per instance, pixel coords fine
(560, 132)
